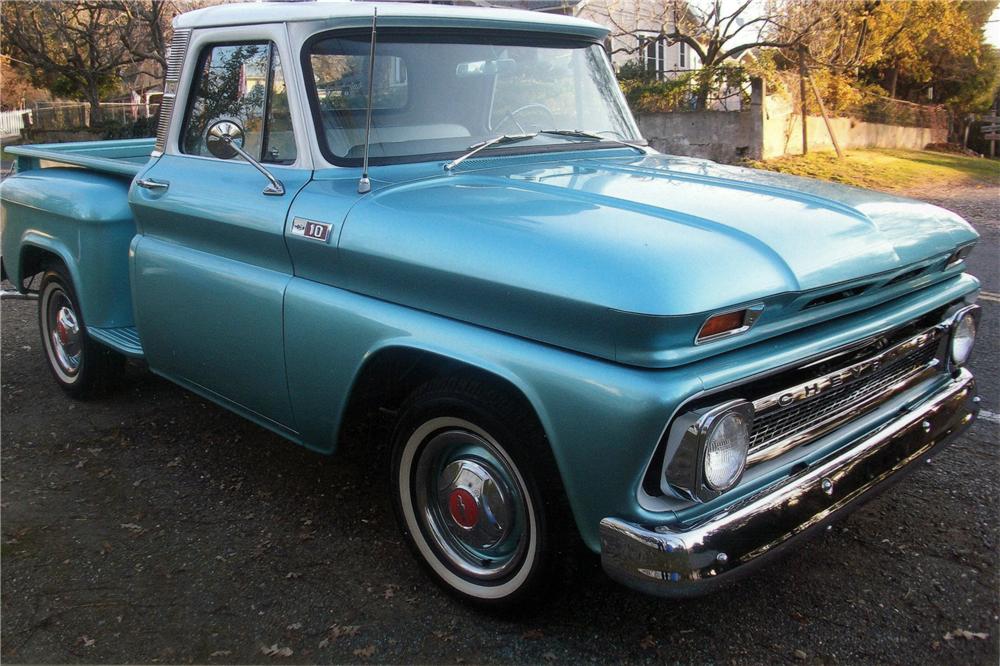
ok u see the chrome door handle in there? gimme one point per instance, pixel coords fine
(150, 184)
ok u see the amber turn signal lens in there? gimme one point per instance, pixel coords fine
(722, 323)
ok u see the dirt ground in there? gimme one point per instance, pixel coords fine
(156, 527)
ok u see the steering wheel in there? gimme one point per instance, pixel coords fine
(511, 115)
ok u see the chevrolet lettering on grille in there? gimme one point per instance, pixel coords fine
(820, 385)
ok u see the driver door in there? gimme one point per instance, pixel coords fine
(210, 265)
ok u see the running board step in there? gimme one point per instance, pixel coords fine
(124, 339)
(14, 295)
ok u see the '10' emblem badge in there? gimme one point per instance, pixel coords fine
(319, 231)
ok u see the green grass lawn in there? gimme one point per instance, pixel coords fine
(884, 169)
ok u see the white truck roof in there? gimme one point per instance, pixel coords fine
(394, 13)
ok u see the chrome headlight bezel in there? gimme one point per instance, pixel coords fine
(968, 316)
(684, 475)
(959, 255)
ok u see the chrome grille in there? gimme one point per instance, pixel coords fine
(779, 428)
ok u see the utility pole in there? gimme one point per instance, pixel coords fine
(996, 112)
(826, 119)
(802, 98)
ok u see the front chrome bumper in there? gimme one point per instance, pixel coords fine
(677, 562)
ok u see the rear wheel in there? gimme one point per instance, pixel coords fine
(82, 367)
(467, 462)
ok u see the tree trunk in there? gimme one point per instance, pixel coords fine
(704, 83)
(891, 79)
(94, 99)
(701, 97)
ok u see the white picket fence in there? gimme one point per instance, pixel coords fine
(12, 122)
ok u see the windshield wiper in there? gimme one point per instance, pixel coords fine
(597, 136)
(577, 133)
(483, 145)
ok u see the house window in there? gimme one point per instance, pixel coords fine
(683, 55)
(655, 56)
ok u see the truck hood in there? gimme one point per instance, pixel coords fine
(533, 247)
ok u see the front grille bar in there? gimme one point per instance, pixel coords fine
(799, 414)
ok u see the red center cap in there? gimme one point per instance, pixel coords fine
(463, 508)
(62, 332)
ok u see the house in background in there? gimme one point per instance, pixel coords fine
(636, 29)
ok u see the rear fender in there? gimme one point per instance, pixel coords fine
(83, 219)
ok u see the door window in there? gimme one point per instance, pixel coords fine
(242, 83)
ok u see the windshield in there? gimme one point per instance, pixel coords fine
(436, 96)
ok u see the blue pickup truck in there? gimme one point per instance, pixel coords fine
(443, 223)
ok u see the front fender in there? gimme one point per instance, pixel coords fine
(602, 420)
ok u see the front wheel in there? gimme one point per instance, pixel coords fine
(465, 490)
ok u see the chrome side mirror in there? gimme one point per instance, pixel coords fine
(224, 140)
(222, 135)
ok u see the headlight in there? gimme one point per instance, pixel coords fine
(959, 255)
(706, 451)
(726, 451)
(963, 335)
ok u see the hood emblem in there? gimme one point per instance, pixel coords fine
(317, 231)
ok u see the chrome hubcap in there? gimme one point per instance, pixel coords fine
(471, 504)
(470, 494)
(64, 333)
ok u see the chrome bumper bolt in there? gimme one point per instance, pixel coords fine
(926, 425)
(827, 486)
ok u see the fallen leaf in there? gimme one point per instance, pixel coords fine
(647, 642)
(532, 634)
(549, 656)
(444, 636)
(294, 627)
(86, 641)
(801, 655)
(365, 652)
(292, 574)
(221, 653)
(966, 634)
(275, 651)
(337, 630)
(132, 526)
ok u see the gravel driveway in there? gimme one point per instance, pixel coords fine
(156, 527)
